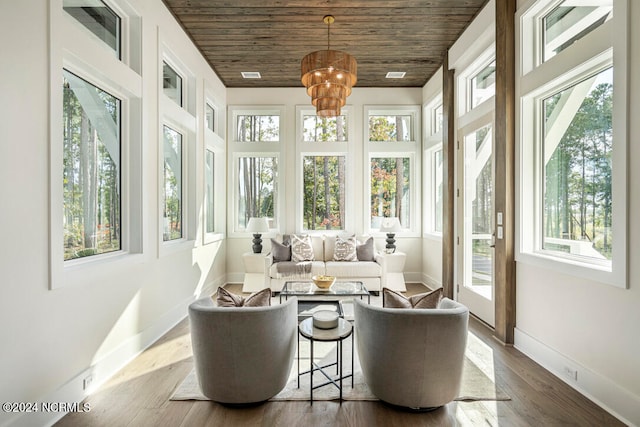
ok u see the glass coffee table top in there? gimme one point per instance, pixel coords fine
(338, 289)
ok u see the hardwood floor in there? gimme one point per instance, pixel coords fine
(139, 394)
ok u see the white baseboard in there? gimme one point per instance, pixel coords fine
(619, 402)
(234, 278)
(430, 281)
(72, 391)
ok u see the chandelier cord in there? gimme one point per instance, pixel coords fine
(328, 35)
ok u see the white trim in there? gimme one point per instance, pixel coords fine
(619, 402)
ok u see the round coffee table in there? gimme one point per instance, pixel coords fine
(337, 334)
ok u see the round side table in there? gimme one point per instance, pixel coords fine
(337, 334)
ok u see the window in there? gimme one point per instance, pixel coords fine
(171, 83)
(209, 207)
(576, 148)
(483, 85)
(574, 140)
(98, 18)
(323, 192)
(172, 200)
(569, 22)
(390, 128)
(436, 190)
(257, 188)
(91, 169)
(256, 128)
(436, 120)
(210, 117)
(324, 129)
(391, 155)
(390, 196)
(255, 150)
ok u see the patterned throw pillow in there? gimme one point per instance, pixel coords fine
(345, 249)
(393, 299)
(301, 249)
(257, 299)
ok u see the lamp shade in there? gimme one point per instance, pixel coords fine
(390, 225)
(258, 225)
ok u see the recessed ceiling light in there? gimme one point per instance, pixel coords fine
(251, 75)
(396, 74)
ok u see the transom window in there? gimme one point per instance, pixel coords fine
(569, 22)
(324, 129)
(172, 83)
(91, 169)
(98, 18)
(258, 128)
(390, 128)
(483, 85)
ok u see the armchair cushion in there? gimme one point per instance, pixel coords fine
(257, 299)
(393, 299)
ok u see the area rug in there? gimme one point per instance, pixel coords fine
(476, 385)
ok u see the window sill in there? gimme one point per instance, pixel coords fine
(79, 271)
(585, 270)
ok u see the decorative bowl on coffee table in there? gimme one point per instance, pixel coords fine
(323, 282)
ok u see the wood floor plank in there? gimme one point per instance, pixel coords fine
(139, 394)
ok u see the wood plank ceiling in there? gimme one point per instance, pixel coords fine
(272, 36)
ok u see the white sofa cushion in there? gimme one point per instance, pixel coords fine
(342, 269)
(317, 267)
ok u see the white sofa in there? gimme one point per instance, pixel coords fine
(373, 274)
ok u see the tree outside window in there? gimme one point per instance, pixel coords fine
(91, 169)
(257, 188)
(394, 128)
(172, 185)
(258, 128)
(577, 148)
(390, 196)
(324, 192)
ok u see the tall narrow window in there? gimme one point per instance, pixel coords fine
(172, 83)
(436, 183)
(91, 169)
(323, 192)
(577, 149)
(98, 18)
(390, 194)
(390, 128)
(436, 120)
(172, 185)
(257, 188)
(208, 191)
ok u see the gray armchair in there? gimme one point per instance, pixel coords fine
(243, 355)
(412, 357)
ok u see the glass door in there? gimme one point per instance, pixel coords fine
(475, 278)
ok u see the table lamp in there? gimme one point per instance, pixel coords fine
(257, 226)
(390, 226)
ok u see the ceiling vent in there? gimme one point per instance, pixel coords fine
(395, 74)
(251, 75)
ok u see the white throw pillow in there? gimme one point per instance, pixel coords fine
(345, 249)
(301, 249)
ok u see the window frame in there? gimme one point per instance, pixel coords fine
(410, 149)
(214, 142)
(325, 148)
(432, 143)
(91, 60)
(601, 48)
(239, 149)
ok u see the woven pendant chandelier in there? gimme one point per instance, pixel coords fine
(329, 76)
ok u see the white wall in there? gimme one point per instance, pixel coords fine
(51, 339)
(290, 98)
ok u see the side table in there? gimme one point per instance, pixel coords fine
(254, 276)
(392, 271)
(337, 334)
